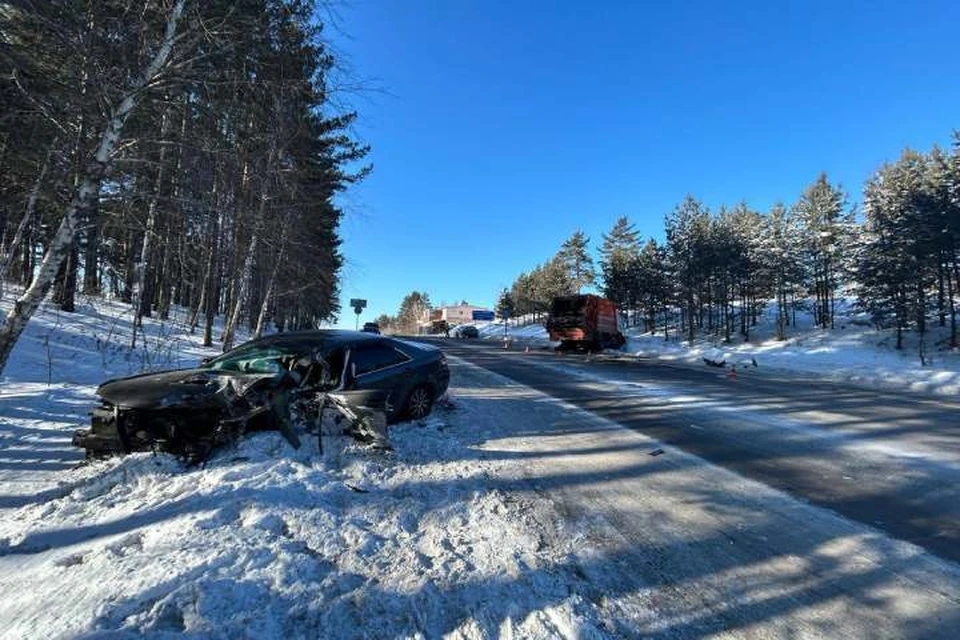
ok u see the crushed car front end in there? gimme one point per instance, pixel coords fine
(184, 431)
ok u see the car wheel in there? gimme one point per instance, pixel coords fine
(419, 403)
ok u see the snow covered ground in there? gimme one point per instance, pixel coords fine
(529, 334)
(263, 541)
(853, 351)
(512, 515)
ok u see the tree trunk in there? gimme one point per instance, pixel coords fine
(91, 254)
(27, 217)
(941, 301)
(66, 287)
(88, 189)
(213, 285)
(142, 296)
(243, 284)
(953, 312)
(265, 305)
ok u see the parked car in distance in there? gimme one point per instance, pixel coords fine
(254, 386)
(371, 327)
(466, 331)
(439, 326)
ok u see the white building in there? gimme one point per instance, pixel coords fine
(457, 313)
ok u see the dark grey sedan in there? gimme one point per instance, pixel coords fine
(255, 385)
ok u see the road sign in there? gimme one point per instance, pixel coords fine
(358, 304)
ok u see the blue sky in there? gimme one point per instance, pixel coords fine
(499, 128)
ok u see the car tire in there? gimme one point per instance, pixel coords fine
(419, 403)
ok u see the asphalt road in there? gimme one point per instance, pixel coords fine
(890, 460)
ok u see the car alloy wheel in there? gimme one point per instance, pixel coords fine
(419, 403)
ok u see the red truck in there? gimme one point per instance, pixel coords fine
(584, 322)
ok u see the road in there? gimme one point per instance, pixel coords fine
(887, 460)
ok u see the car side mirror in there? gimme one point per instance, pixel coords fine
(205, 361)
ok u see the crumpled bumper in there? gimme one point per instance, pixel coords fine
(104, 436)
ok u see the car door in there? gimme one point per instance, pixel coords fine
(379, 366)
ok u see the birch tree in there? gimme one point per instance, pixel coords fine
(89, 186)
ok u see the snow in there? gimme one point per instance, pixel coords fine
(510, 515)
(532, 334)
(854, 351)
(264, 540)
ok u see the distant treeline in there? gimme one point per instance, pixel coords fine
(718, 270)
(172, 152)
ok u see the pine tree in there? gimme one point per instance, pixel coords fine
(221, 192)
(650, 284)
(505, 305)
(575, 258)
(884, 264)
(619, 253)
(414, 309)
(826, 224)
(687, 230)
(779, 250)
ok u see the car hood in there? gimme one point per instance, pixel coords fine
(182, 388)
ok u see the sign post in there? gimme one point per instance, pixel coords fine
(358, 304)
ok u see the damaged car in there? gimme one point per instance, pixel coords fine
(285, 382)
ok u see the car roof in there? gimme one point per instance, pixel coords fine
(329, 338)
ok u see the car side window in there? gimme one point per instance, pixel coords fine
(376, 357)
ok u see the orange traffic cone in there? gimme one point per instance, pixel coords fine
(732, 373)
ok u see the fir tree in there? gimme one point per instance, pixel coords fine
(619, 253)
(576, 260)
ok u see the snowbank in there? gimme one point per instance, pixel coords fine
(853, 351)
(532, 334)
(270, 542)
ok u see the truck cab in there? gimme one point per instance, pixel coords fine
(586, 322)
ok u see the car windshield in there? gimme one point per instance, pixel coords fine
(255, 358)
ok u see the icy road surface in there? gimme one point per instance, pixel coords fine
(514, 515)
(888, 460)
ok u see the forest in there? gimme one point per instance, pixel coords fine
(173, 152)
(897, 254)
